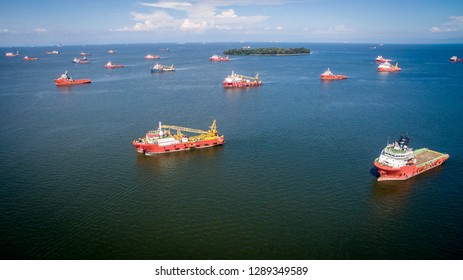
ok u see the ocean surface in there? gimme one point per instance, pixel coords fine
(295, 179)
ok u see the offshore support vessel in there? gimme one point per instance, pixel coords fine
(388, 67)
(238, 81)
(399, 162)
(162, 140)
(328, 75)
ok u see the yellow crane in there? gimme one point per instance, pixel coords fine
(256, 78)
(203, 135)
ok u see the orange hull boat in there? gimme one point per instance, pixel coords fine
(328, 75)
(64, 82)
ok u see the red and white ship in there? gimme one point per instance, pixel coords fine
(84, 54)
(399, 162)
(161, 140)
(66, 80)
(387, 67)
(328, 75)
(237, 81)
(16, 53)
(218, 58)
(28, 58)
(381, 59)
(83, 60)
(150, 56)
(456, 59)
(111, 65)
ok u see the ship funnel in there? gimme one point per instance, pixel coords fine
(160, 130)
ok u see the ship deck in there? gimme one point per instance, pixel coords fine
(425, 155)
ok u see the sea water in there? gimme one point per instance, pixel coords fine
(295, 179)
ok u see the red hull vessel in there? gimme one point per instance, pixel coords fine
(456, 59)
(66, 80)
(387, 67)
(217, 58)
(399, 162)
(150, 56)
(239, 81)
(328, 75)
(110, 65)
(381, 59)
(27, 58)
(162, 141)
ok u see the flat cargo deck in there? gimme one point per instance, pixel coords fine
(425, 155)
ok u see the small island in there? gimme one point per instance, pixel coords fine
(267, 51)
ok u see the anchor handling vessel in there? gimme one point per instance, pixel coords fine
(161, 140)
(400, 162)
(238, 81)
(328, 75)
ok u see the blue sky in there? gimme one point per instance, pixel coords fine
(50, 22)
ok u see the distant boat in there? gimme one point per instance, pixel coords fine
(111, 65)
(15, 52)
(150, 56)
(83, 60)
(216, 58)
(387, 67)
(52, 52)
(158, 68)
(381, 59)
(112, 52)
(66, 80)
(328, 75)
(84, 54)
(238, 81)
(27, 58)
(456, 59)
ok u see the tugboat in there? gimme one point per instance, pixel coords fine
(150, 56)
(111, 65)
(387, 67)
(66, 80)
(27, 58)
(15, 52)
(83, 60)
(399, 162)
(328, 75)
(218, 58)
(456, 59)
(381, 59)
(161, 140)
(158, 68)
(239, 81)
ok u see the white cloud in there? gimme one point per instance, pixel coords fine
(40, 30)
(150, 22)
(279, 28)
(168, 5)
(340, 29)
(193, 17)
(454, 24)
(194, 26)
(3, 30)
(227, 14)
